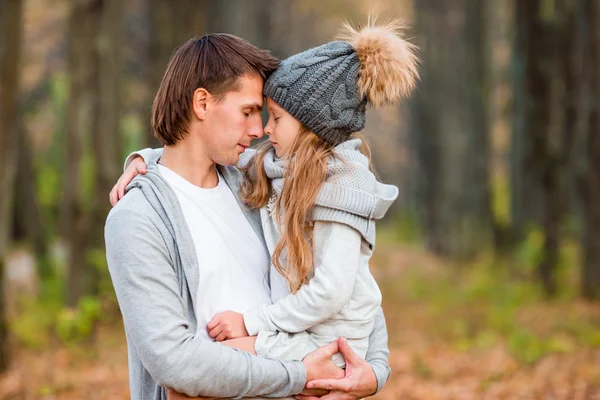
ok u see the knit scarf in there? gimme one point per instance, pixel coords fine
(351, 194)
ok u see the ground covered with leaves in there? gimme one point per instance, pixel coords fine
(476, 331)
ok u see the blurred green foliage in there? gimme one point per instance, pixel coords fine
(45, 319)
(77, 324)
(489, 302)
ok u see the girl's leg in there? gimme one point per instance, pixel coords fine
(245, 343)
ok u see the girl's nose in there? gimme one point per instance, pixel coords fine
(268, 130)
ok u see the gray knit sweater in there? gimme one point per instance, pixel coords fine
(351, 193)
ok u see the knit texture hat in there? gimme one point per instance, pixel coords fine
(327, 88)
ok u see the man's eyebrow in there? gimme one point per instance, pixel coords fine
(253, 105)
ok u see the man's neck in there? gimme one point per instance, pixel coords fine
(187, 158)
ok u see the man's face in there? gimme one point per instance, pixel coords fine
(235, 121)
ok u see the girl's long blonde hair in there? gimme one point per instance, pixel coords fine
(305, 171)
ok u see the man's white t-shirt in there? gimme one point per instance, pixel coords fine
(233, 264)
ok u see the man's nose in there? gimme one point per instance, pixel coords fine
(256, 131)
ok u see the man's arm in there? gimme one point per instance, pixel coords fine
(153, 312)
(378, 352)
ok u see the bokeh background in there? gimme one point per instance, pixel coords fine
(489, 262)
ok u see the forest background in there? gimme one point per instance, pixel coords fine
(489, 262)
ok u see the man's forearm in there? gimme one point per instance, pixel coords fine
(378, 352)
(173, 395)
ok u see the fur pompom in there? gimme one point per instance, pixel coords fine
(388, 63)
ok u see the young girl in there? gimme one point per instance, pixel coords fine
(318, 196)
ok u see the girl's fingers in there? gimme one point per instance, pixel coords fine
(112, 196)
(214, 332)
(222, 336)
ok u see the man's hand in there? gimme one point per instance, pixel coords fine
(359, 380)
(319, 366)
(136, 166)
(227, 325)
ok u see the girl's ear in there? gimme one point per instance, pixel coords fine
(200, 102)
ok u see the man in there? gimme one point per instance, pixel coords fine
(181, 246)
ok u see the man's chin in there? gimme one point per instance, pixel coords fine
(229, 161)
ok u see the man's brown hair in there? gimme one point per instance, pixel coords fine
(214, 62)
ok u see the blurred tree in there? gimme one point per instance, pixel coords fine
(28, 226)
(588, 16)
(162, 43)
(264, 23)
(10, 55)
(525, 185)
(107, 140)
(82, 126)
(277, 18)
(171, 23)
(450, 127)
(33, 222)
(544, 135)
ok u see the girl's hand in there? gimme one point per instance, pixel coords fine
(136, 166)
(227, 325)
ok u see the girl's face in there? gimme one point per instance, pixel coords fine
(282, 128)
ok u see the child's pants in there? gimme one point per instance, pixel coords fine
(295, 346)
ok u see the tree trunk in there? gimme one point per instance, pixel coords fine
(106, 138)
(27, 219)
(162, 45)
(525, 178)
(278, 37)
(590, 182)
(547, 45)
(171, 24)
(10, 55)
(450, 131)
(82, 125)
(590, 277)
(540, 72)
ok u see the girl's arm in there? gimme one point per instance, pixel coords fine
(136, 164)
(150, 155)
(336, 258)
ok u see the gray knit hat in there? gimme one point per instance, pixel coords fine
(327, 88)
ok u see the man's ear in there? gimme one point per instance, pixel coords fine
(200, 103)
